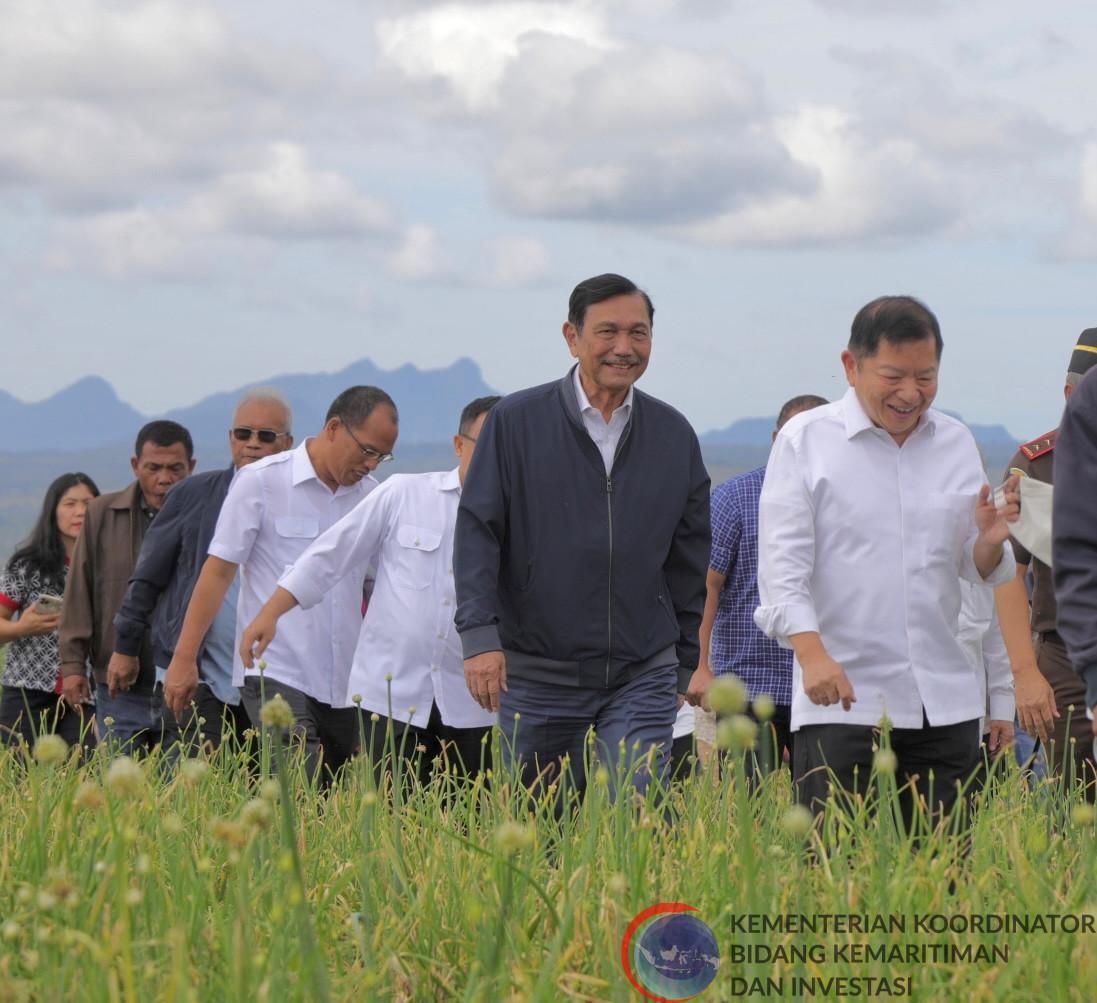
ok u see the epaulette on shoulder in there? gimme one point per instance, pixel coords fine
(1040, 445)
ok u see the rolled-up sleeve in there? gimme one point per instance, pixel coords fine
(786, 548)
(350, 545)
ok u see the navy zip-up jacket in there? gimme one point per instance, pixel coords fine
(582, 579)
(1074, 531)
(172, 554)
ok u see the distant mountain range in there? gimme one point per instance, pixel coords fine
(89, 413)
(86, 427)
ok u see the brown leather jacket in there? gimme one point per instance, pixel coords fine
(104, 559)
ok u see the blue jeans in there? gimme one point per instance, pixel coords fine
(553, 722)
(136, 722)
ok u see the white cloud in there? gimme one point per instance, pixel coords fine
(420, 257)
(517, 261)
(865, 190)
(456, 54)
(101, 97)
(281, 196)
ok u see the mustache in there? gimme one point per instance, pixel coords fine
(617, 360)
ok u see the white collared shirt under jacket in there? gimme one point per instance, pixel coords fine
(406, 528)
(606, 434)
(274, 509)
(865, 543)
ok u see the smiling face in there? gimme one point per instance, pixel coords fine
(612, 346)
(71, 510)
(896, 386)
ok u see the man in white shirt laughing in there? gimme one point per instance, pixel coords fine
(871, 507)
(407, 663)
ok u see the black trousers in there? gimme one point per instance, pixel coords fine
(467, 749)
(835, 760)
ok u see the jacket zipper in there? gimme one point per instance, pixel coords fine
(609, 578)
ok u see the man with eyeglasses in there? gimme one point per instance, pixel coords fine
(272, 512)
(172, 555)
(408, 658)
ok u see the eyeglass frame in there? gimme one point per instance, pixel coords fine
(271, 434)
(369, 451)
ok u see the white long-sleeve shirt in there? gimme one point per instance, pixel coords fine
(406, 527)
(274, 509)
(864, 542)
(982, 640)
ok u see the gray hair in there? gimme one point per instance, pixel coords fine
(267, 395)
(1073, 379)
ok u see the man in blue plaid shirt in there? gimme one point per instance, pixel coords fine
(730, 641)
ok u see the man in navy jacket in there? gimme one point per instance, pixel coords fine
(171, 557)
(580, 552)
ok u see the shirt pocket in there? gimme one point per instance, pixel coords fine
(414, 557)
(949, 518)
(292, 527)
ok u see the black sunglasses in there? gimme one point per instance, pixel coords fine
(266, 435)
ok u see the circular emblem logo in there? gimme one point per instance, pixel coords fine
(669, 954)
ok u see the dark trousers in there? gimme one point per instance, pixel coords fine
(209, 720)
(1070, 751)
(544, 725)
(468, 750)
(25, 714)
(328, 734)
(774, 740)
(836, 760)
(134, 722)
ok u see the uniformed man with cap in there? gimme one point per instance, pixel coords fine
(1071, 741)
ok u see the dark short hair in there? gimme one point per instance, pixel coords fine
(164, 433)
(805, 402)
(44, 550)
(598, 290)
(473, 410)
(355, 404)
(898, 320)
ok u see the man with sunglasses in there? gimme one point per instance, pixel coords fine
(171, 557)
(273, 510)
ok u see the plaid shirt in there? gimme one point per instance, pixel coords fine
(738, 646)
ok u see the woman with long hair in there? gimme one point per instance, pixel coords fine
(30, 697)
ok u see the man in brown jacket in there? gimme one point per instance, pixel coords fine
(104, 559)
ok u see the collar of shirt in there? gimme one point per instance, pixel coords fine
(303, 470)
(858, 421)
(585, 406)
(451, 481)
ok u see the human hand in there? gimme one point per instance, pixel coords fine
(180, 684)
(1035, 699)
(76, 691)
(700, 681)
(485, 676)
(1001, 736)
(121, 673)
(256, 637)
(993, 521)
(826, 682)
(32, 623)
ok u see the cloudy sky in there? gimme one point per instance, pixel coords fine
(195, 195)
